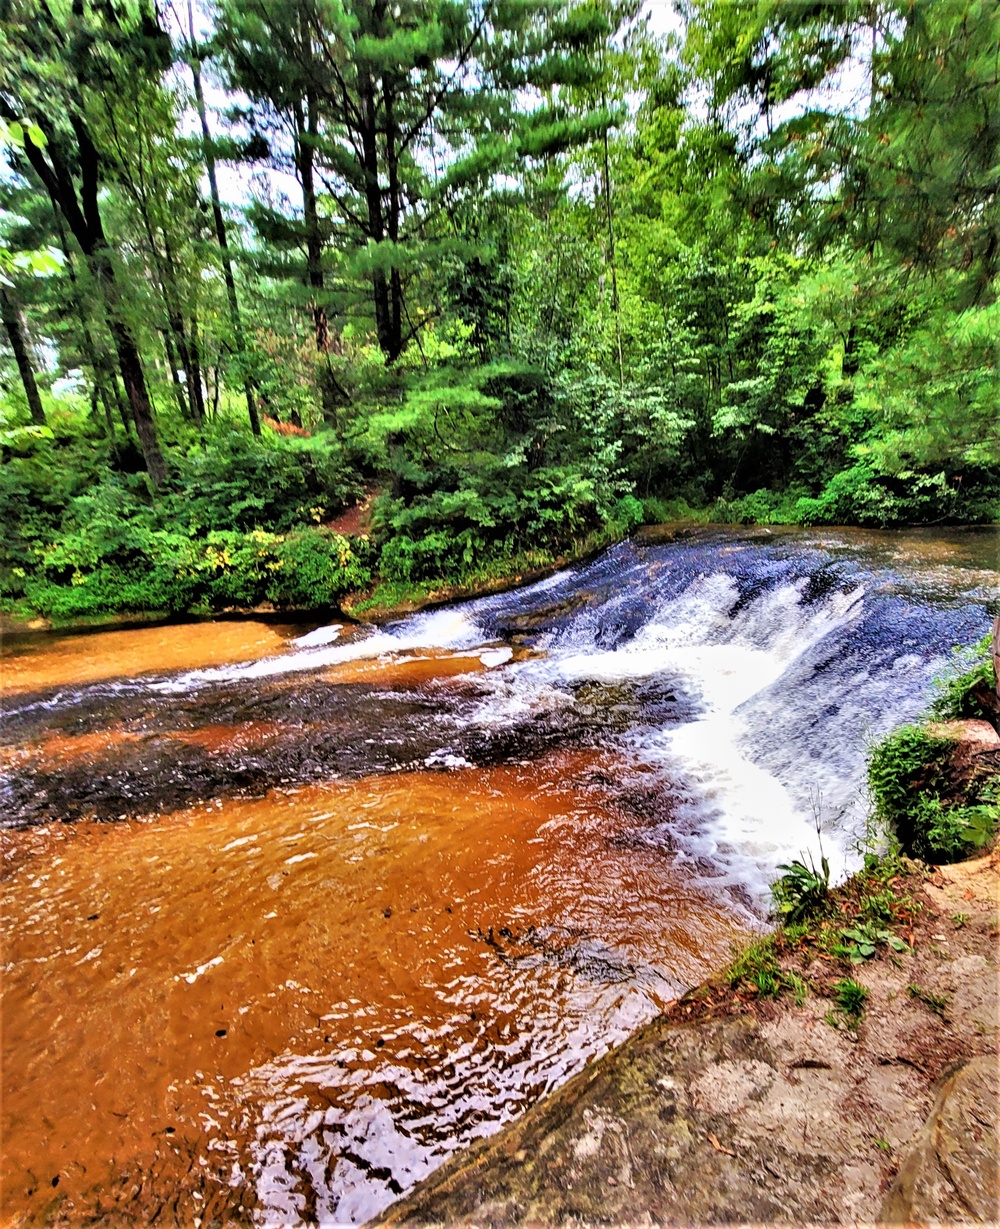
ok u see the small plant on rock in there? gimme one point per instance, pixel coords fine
(802, 891)
(938, 1003)
(862, 940)
(851, 997)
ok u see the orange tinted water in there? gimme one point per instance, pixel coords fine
(306, 993)
(404, 669)
(45, 659)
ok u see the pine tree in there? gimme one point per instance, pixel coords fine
(399, 110)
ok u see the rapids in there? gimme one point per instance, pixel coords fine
(374, 890)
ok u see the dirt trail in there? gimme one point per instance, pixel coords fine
(771, 1114)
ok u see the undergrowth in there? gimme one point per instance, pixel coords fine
(844, 927)
(937, 810)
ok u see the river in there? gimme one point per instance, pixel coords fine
(369, 892)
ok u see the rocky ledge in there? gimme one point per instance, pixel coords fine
(735, 1108)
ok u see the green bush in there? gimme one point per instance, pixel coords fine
(315, 567)
(968, 688)
(912, 795)
(142, 569)
(951, 833)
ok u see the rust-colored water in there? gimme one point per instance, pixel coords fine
(45, 659)
(305, 1001)
(404, 669)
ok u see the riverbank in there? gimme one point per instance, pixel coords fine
(841, 1069)
(739, 1106)
(378, 602)
(384, 600)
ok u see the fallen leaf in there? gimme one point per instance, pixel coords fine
(717, 1146)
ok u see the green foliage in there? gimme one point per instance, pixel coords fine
(237, 526)
(802, 891)
(851, 997)
(934, 815)
(950, 832)
(757, 965)
(131, 567)
(900, 767)
(862, 940)
(544, 328)
(968, 687)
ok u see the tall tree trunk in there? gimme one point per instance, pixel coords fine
(98, 361)
(128, 423)
(187, 344)
(109, 420)
(13, 323)
(174, 338)
(83, 216)
(373, 201)
(194, 355)
(220, 227)
(175, 375)
(314, 240)
(615, 304)
(130, 366)
(395, 210)
(306, 155)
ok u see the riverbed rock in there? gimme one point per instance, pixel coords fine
(784, 1114)
(951, 1172)
(980, 735)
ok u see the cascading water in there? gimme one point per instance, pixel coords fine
(498, 837)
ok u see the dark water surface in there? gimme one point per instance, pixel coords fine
(370, 892)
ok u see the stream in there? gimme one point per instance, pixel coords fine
(292, 912)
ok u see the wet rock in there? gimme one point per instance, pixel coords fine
(951, 1172)
(769, 1116)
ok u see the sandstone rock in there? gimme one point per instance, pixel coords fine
(979, 733)
(951, 1171)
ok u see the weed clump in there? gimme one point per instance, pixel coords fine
(802, 891)
(850, 997)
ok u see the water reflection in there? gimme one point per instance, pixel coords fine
(329, 990)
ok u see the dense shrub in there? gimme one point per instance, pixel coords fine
(152, 569)
(970, 689)
(939, 811)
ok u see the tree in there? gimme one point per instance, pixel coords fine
(13, 323)
(52, 71)
(194, 56)
(155, 170)
(399, 110)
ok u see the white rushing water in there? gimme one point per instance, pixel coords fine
(772, 745)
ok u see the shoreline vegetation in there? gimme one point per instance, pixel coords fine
(381, 599)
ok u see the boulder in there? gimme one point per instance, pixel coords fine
(978, 735)
(950, 1172)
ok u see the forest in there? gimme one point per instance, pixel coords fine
(511, 277)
